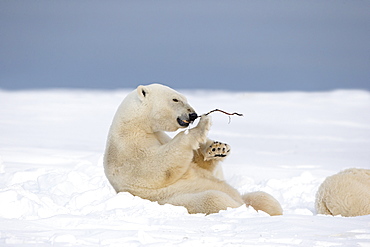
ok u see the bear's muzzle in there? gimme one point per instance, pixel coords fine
(185, 120)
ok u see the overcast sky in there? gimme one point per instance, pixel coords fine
(234, 45)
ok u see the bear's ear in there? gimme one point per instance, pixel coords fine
(142, 92)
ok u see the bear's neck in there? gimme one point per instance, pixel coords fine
(131, 115)
(135, 125)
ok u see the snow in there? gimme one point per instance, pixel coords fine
(53, 191)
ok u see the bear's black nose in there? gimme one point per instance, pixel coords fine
(193, 116)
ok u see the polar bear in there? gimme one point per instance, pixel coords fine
(346, 193)
(140, 158)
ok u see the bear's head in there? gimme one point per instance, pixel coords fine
(166, 109)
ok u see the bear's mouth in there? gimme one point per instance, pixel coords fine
(183, 122)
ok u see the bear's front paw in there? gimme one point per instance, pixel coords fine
(217, 150)
(200, 132)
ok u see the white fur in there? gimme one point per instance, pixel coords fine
(346, 193)
(142, 159)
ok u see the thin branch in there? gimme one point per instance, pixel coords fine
(230, 114)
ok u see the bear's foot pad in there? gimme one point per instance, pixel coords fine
(217, 150)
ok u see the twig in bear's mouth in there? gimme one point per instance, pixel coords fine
(229, 114)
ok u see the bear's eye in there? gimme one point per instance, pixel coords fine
(175, 100)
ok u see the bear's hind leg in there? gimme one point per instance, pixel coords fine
(206, 202)
(260, 200)
(210, 154)
(321, 208)
(215, 150)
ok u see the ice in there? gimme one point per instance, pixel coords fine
(53, 191)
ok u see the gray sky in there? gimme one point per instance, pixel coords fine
(234, 45)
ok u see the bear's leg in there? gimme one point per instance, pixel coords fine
(214, 150)
(321, 208)
(206, 202)
(210, 154)
(260, 200)
(320, 202)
